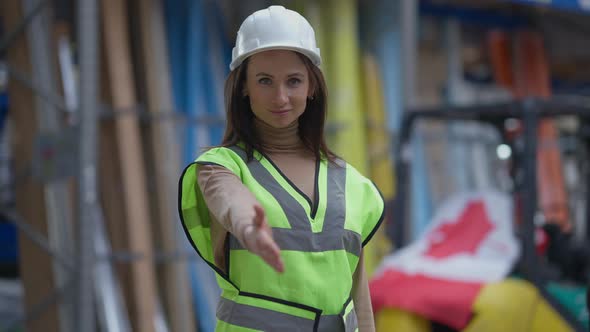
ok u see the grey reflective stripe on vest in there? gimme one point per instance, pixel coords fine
(269, 320)
(300, 237)
(259, 318)
(293, 210)
(288, 239)
(351, 322)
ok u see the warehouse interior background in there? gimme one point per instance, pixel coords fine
(472, 118)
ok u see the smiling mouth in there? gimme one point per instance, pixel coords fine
(280, 112)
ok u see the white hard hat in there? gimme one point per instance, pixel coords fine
(275, 28)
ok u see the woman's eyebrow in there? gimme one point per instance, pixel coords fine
(290, 75)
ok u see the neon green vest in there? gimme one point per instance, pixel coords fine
(320, 245)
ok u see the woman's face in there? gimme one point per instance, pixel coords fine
(277, 83)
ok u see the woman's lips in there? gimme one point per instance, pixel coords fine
(280, 112)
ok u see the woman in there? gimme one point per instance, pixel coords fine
(273, 211)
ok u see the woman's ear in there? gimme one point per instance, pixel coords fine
(245, 91)
(311, 89)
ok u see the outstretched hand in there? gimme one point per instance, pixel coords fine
(258, 240)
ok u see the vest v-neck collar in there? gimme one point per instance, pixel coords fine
(313, 205)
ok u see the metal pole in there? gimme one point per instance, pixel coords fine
(585, 133)
(11, 36)
(409, 28)
(401, 223)
(37, 238)
(88, 43)
(56, 195)
(529, 193)
(407, 14)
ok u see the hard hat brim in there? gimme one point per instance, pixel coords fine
(314, 57)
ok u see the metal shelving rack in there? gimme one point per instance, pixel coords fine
(88, 268)
(529, 111)
(79, 285)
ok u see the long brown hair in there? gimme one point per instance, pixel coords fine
(240, 127)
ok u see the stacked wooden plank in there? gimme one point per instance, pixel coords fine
(133, 193)
(166, 165)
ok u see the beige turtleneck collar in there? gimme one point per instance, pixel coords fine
(278, 139)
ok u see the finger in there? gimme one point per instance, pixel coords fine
(274, 260)
(259, 216)
(271, 246)
(260, 220)
(271, 253)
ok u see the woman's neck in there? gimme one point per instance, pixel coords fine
(278, 139)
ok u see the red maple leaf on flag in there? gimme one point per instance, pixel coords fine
(464, 235)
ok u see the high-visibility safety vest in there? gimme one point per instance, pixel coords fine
(320, 244)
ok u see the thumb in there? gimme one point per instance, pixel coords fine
(259, 216)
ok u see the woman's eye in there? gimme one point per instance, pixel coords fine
(264, 80)
(294, 81)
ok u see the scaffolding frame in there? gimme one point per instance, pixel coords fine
(80, 285)
(80, 273)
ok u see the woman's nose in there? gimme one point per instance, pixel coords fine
(281, 95)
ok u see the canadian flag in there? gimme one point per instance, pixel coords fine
(469, 242)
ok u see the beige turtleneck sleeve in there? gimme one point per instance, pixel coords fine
(231, 203)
